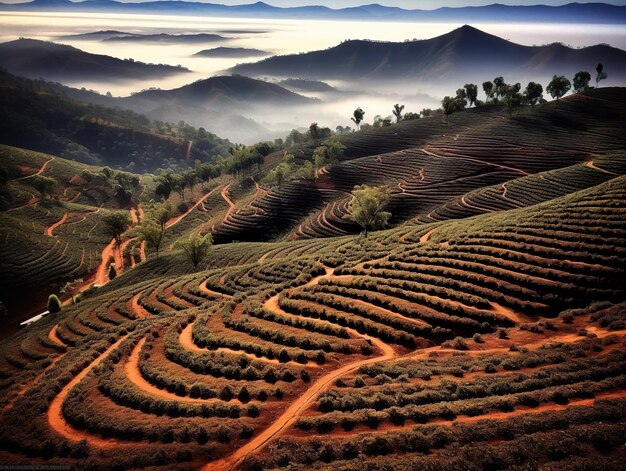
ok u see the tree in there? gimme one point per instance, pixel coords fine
(471, 91)
(161, 213)
(116, 224)
(600, 74)
(280, 173)
(366, 207)
(448, 104)
(358, 116)
(314, 130)
(533, 93)
(488, 89)
(499, 87)
(54, 304)
(197, 248)
(558, 87)
(512, 97)
(397, 112)
(581, 81)
(152, 233)
(451, 105)
(44, 185)
(334, 149)
(320, 156)
(112, 272)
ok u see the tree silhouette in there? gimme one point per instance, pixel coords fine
(512, 97)
(358, 116)
(471, 91)
(54, 304)
(488, 89)
(581, 81)
(499, 87)
(558, 87)
(600, 74)
(533, 93)
(397, 112)
(112, 272)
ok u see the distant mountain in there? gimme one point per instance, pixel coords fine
(168, 38)
(307, 85)
(231, 107)
(570, 13)
(465, 52)
(222, 91)
(57, 62)
(231, 52)
(95, 36)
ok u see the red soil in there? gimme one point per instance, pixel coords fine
(137, 309)
(51, 228)
(52, 335)
(55, 410)
(302, 402)
(215, 294)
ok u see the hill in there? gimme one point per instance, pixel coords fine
(465, 52)
(57, 62)
(231, 52)
(40, 116)
(166, 38)
(467, 337)
(231, 106)
(427, 163)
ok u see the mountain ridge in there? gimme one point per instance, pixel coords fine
(465, 51)
(570, 13)
(34, 59)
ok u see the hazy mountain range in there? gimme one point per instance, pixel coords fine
(463, 54)
(570, 13)
(41, 59)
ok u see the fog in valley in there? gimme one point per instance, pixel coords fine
(279, 37)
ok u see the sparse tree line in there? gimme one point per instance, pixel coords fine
(499, 92)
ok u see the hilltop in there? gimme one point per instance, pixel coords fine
(464, 52)
(57, 62)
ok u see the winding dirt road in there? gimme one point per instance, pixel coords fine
(177, 219)
(51, 228)
(302, 402)
(39, 172)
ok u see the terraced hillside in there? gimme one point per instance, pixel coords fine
(432, 167)
(492, 339)
(47, 240)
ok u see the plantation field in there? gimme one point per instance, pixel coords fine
(431, 338)
(485, 329)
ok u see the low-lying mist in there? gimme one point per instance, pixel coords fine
(258, 122)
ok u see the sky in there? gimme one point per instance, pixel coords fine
(411, 4)
(408, 4)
